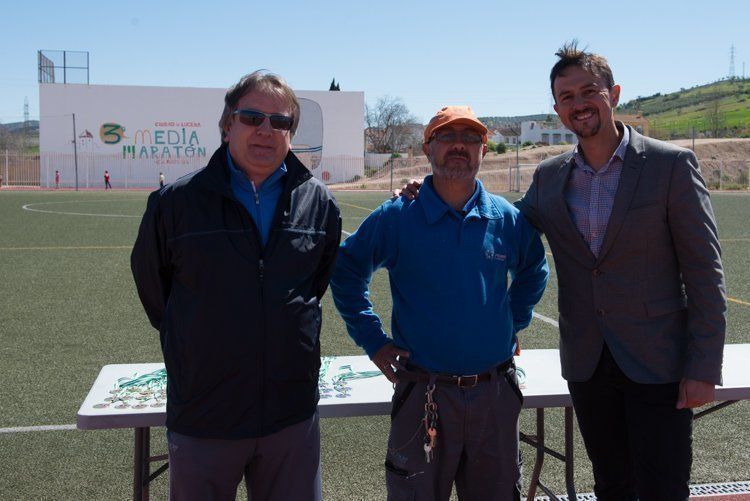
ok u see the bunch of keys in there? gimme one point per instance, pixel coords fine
(430, 424)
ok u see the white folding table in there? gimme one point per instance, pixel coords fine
(350, 388)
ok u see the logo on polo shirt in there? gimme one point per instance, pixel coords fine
(493, 256)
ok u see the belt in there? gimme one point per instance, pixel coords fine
(419, 375)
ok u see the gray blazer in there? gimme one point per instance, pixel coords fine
(656, 292)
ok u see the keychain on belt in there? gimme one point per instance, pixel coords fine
(430, 423)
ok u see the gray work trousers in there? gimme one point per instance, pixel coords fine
(278, 467)
(477, 442)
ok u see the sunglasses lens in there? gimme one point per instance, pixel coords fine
(464, 137)
(281, 122)
(254, 118)
(250, 118)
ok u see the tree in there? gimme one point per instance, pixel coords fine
(334, 85)
(6, 139)
(390, 126)
(714, 118)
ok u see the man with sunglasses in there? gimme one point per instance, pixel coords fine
(449, 254)
(231, 263)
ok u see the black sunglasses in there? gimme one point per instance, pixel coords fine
(255, 118)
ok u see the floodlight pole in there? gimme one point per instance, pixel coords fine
(75, 149)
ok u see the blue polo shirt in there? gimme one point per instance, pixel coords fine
(452, 307)
(261, 203)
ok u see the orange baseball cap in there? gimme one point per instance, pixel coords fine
(454, 115)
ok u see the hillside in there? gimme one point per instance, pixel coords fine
(18, 126)
(723, 162)
(719, 109)
(13, 136)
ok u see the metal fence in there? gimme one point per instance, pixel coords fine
(86, 171)
(498, 174)
(726, 174)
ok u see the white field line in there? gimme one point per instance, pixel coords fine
(546, 319)
(50, 427)
(28, 207)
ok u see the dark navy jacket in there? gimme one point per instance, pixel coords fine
(239, 324)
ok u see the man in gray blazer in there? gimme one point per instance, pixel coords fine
(641, 289)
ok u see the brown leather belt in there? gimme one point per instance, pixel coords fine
(418, 375)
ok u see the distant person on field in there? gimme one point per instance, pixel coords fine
(57, 179)
(231, 263)
(451, 255)
(161, 180)
(107, 185)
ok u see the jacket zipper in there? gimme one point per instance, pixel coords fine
(281, 204)
(261, 270)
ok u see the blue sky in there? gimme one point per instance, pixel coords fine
(494, 56)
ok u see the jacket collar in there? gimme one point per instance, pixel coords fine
(217, 172)
(635, 158)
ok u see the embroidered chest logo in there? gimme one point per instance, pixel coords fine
(493, 256)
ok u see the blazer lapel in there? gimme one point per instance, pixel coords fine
(566, 226)
(635, 157)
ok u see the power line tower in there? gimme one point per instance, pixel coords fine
(731, 62)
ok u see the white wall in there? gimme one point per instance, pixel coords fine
(183, 127)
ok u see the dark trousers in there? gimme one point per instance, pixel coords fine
(477, 442)
(639, 444)
(278, 467)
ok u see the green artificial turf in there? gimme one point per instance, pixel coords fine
(68, 306)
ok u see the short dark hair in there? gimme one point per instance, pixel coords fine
(263, 81)
(571, 55)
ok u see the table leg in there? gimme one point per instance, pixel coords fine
(569, 478)
(534, 481)
(141, 465)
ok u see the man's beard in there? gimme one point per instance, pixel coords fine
(462, 171)
(584, 131)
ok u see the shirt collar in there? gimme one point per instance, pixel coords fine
(238, 178)
(434, 208)
(472, 201)
(619, 152)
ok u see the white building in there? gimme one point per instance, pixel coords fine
(502, 136)
(546, 132)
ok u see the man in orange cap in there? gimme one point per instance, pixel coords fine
(454, 322)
